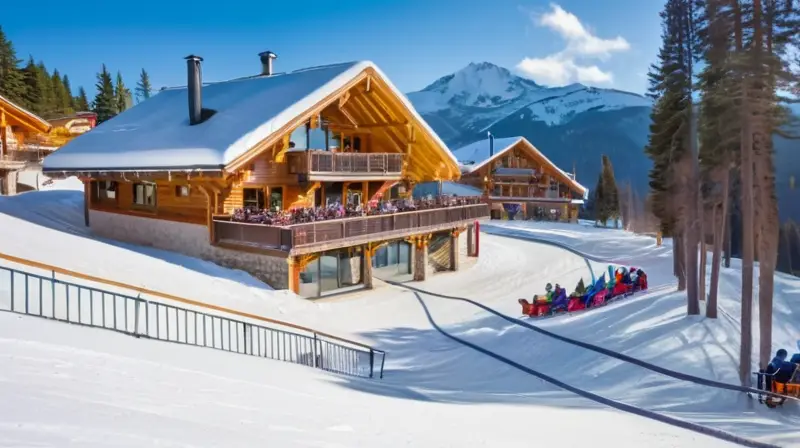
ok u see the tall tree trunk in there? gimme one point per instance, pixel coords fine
(691, 227)
(769, 229)
(727, 236)
(680, 261)
(748, 228)
(719, 232)
(701, 288)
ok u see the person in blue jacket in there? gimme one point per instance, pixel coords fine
(782, 369)
(796, 357)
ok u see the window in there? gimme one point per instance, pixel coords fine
(182, 191)
(253, 198)
(144, 194)
(104, 190)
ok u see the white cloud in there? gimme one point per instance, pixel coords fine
(568, 65)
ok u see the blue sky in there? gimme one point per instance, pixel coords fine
(607, 43)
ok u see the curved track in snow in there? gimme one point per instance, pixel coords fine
(616, 355)
(698, 428)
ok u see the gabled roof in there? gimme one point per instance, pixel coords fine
(24, 117)
(476, 154)
(156, 135)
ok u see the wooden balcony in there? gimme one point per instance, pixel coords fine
(343, 166)
(526, 194)
(324, 235)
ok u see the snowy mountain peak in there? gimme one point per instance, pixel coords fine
(481, 94)
(479, 84)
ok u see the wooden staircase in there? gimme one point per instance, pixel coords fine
(439, 252)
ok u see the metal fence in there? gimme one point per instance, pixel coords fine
(48, 297)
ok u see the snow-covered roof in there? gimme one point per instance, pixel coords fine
(38, 122)
(156, 135)
(476, 154)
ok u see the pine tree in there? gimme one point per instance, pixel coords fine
(68, 88)
(81, 101)
(33, 93)
(672, 145)
(48, 106)
(12, 79)
(105, 104)
(719, 130)
(598, 204)
(143, 88)
(122, 95)
(610, 191)
(62, 98)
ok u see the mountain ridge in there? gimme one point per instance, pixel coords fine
(572, 125)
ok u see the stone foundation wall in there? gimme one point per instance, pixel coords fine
(188, 239)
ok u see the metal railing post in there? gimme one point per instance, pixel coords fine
(12, 289)
(136, 315)
(371, 362)
(314, 352)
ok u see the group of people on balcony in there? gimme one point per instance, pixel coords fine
(337, 210)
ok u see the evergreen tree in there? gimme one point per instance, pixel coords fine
(81, 101)
(719, 130)
(12, 80)
(48, 106)
(62, 98)
(33, 93)
(122, 95)
(68, 88)
(104, 104)
(143, 88)
(672, 142)
(598, 204)
(610, 191)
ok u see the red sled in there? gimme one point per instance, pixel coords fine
(619, 289)
(575, 304)
(600, 298)
(542, 309)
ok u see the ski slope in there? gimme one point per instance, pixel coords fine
(86, 387)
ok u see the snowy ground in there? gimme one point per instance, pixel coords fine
(69, 383)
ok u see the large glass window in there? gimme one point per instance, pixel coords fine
(253, 198)
(144, 194)
(104, 190)
(392, 260)
(331, 272)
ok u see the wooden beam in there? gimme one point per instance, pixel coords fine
(343, 99)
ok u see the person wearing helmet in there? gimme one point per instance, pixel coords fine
(549, 290)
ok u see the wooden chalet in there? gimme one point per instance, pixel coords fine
(21, 133)
(518, 180)
(75, 124)
(339, 134)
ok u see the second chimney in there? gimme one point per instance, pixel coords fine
(491, 144)
(266, 62)
(194, 88)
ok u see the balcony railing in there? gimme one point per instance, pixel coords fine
(347, 164)
(308, 237)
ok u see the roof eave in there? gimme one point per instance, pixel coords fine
(33, 121)
(147, 169)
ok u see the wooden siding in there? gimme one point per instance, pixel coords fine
(169, 206)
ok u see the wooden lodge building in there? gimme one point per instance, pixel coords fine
(343, 134)
(519, 180)
(21, 136)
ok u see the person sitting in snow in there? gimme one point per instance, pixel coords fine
(782, 369)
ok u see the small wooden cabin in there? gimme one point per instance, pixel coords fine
(20, 133)
(341, 133)
(519, 180)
